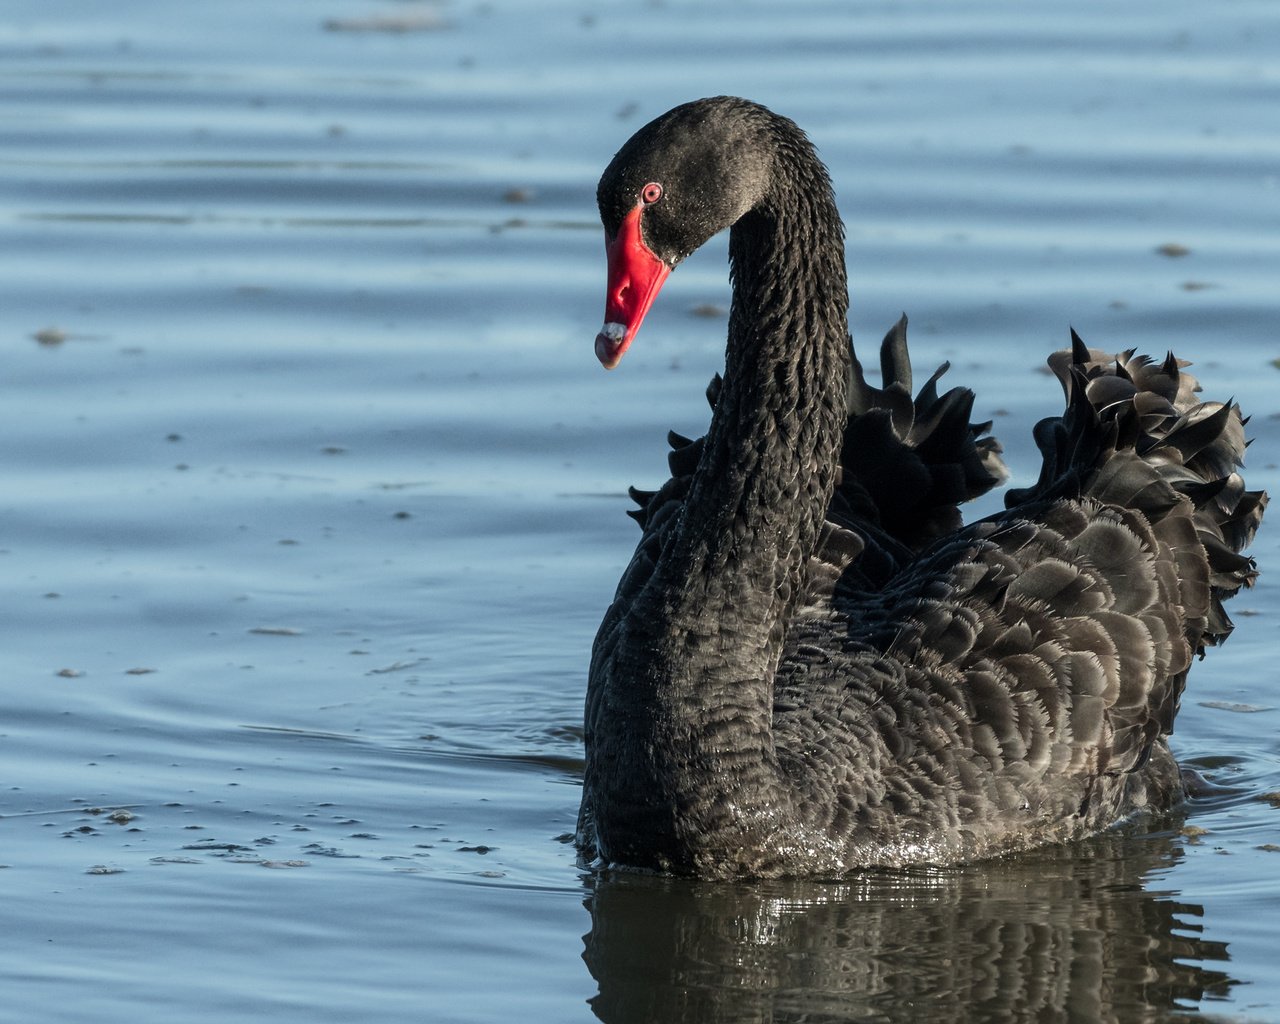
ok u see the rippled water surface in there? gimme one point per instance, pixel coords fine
(313, 492)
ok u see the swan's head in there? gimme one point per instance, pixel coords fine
(679, 180)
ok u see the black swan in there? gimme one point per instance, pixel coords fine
(810, 664)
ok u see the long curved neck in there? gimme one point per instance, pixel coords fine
(765, 481)
(713, 618)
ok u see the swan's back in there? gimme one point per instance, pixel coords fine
(954, 692)
(1017, 679)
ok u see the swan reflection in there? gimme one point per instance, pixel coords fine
(1083, 932)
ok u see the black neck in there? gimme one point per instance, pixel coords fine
(767, 472)
(711, 622)
(683, 678)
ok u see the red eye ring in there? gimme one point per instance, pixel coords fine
(651, 193)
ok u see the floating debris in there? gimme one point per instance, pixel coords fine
(320, 850)
(209, 846)
(1173, 250)
(51, 336)
(393, 23)
(398, 666)
(1239, 709)
(275, 631)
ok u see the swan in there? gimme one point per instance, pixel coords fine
(811, 665)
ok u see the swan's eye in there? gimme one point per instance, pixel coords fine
(651, 193)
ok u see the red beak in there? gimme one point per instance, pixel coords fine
(635, 278)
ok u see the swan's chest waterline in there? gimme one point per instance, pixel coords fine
(683, 673)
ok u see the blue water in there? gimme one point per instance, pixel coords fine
(313, 492)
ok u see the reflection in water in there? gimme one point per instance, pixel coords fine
(1071, 933)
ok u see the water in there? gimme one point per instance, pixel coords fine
(313, 492)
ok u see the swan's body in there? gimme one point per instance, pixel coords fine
(810, 665)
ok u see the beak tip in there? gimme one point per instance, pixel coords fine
(611, 343)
